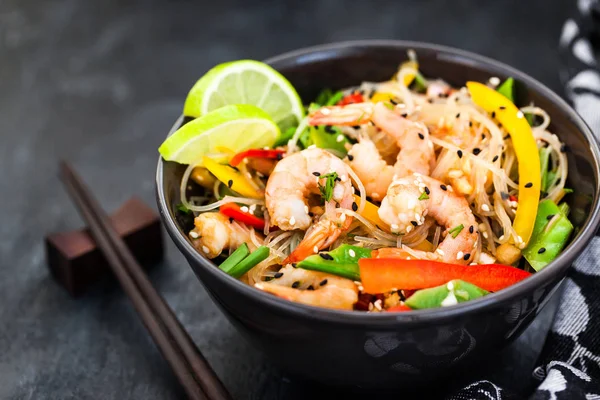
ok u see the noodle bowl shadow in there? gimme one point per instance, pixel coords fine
(388, 350)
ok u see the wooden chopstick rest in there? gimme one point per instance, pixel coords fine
(75, 261)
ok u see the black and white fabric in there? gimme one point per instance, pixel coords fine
(569, 367)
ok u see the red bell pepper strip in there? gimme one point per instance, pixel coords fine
(258, 153)
(382, 275)
(399, 308)
(234, 211)
(351, 99)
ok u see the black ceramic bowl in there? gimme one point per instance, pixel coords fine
(384, 350)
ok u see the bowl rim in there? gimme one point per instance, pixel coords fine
(353, 318)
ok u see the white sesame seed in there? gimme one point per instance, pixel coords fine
(409, 228)
(459, 255)
(205, 249)
(417, 216)
(501, 237)
(325, 111)
(194, 235)
(244, 209)
(520, 114)
(352, 253)
(292, 221)
(485, 207)
(485, 235)
(408, 257)
(306, 209)
(416, 182)
(339, 138)
(519, 239)
(343, 217)
(344, 178)
(430, 144)
(494, 81)
(377, 305)
(361, 288)
(259, 286)
(316, 249)
(394, 226)
(439, 251)
(450, 285)
(473, 263)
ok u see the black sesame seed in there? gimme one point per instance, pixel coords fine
(502, 107)
(421, 136)
(541, 250)
(495, 158)
(294, 265)
(466, 256)
(471, 229)
(356, 126)
(350, 157)
(316, 173)
(564, 148)
(329, 129)
(444, 187)
(279, 156)
(414, 223)
(268, 278)
(310, 214)
(310, 288)
(296, 284)
(326, 256)
(404, 115)
(394, 102)
(458, 115)
(430, 100)
(230, 220)
(338, 179)
(470, 124)
(401, 294)
(236, 168)
(499, 125)
(528, 184)
(230, 183)
(278, 275)
(323, 282)
(356, 192)
(493, 114)
(354, 206)
(506, 137)
(504, 195)
(549, 217)
(482, 136)
(427, 190)
(476, 150)
(459, 152)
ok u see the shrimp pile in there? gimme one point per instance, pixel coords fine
(414, 174)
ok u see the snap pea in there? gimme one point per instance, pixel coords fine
(454, 292)
(342, 261)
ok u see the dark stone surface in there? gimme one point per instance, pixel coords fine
(100, 83)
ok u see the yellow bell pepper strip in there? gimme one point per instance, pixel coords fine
(378, 97)
(232, 178)
(371, 214)
(526, 150)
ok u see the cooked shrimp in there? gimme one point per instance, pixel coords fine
(416, 150)
(293, 181)
(410, 199)
(312, 288)
(214, 232)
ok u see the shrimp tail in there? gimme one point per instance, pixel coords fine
(321, 236)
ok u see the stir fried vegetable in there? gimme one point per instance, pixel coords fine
(234, 211)
(550, 234)
(259, 153)
(232, 178)
(342, 261)
(382, 275)
(242, 261)
(454, 292)
(234, 259)
(526, 150)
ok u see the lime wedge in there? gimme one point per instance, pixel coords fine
(246, 82)
(236, 128)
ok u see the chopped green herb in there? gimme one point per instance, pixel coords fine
(328, 98)
(567, 190)
(423, 196)
(184, 209)
(389, 105)
(333, 100)
(327, 189)
(235, 258)
(257, 256)
(456, 230)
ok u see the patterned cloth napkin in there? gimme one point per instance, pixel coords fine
(569, 367)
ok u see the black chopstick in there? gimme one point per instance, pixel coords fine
(190, 367)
